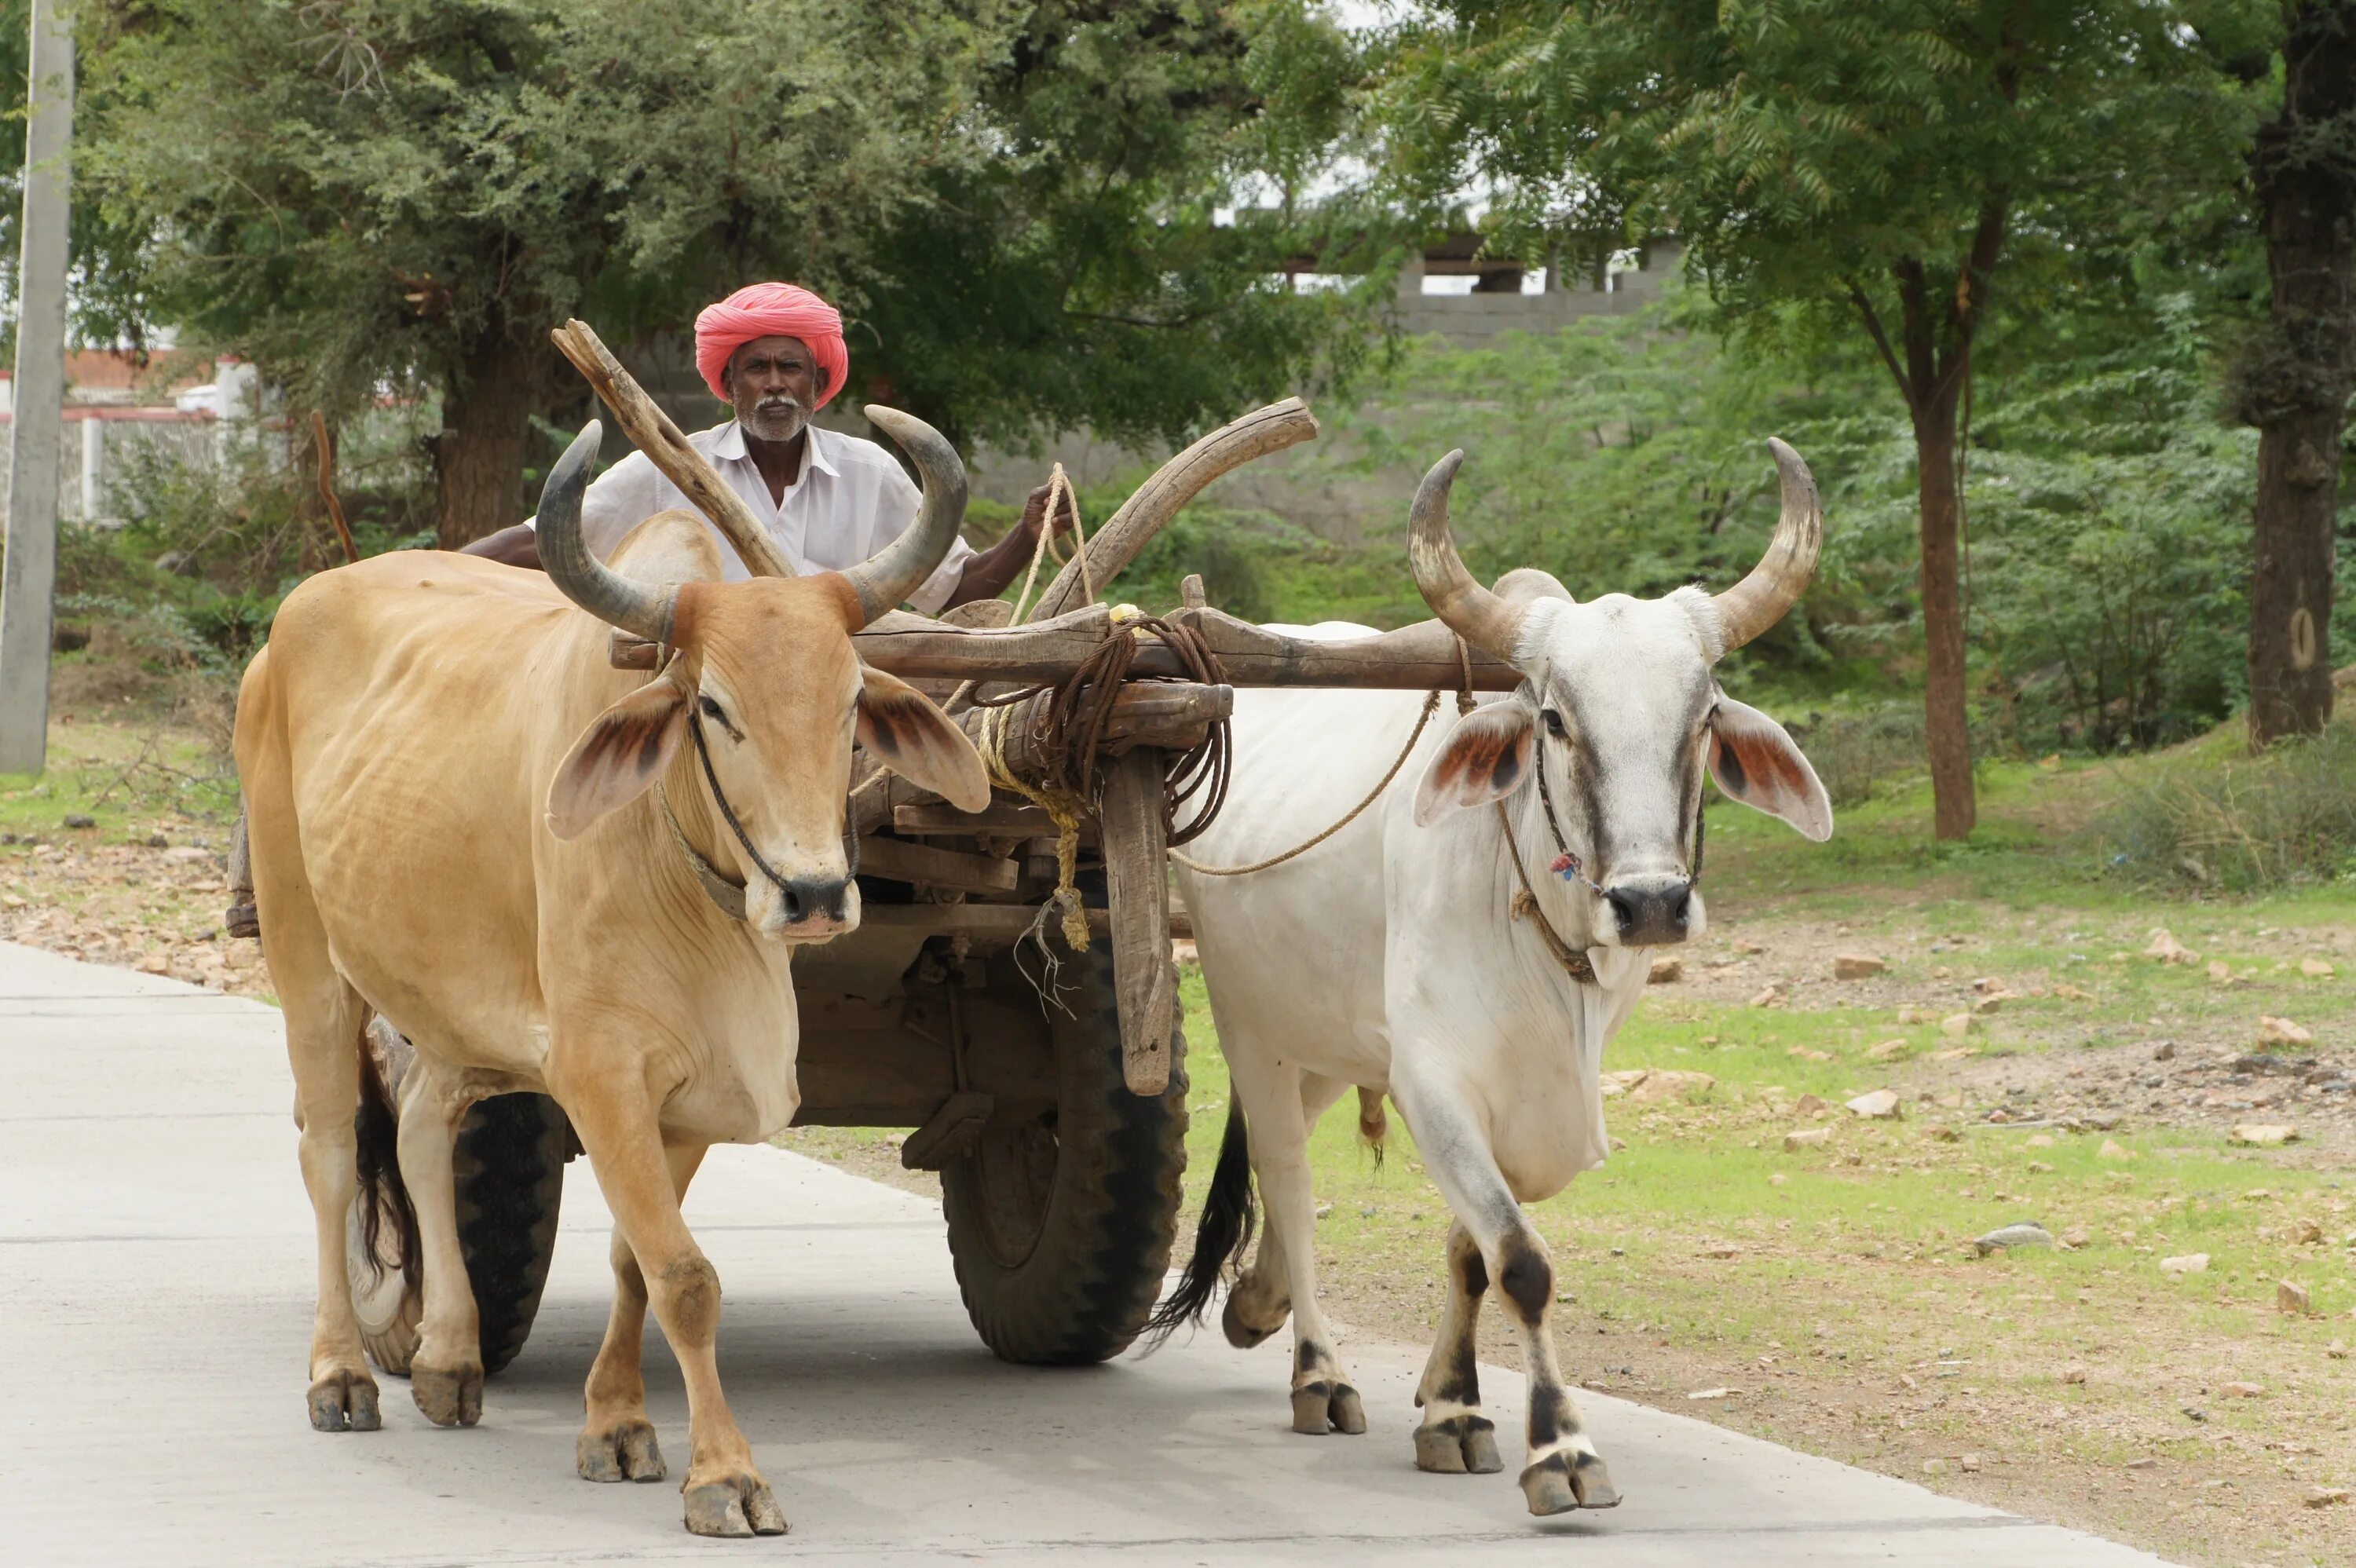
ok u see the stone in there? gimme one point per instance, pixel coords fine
(2075, 1237)
(1809, 1053)
(2272, 1031)
(2291, 1298)
(187, 852)
(158, 841)
(1945, 1134)
(2071, 994)
(2112, 1149)
(2144, 1464)
(1666, 971)
(1957, 1025)
(2168, 950)
(1969, 1463)
(1877, 1104)
(2037, 1140)
(2263, 1135)
(1769, 998)
(2317, 969)
(1660, 1083)
(1810, 1105)
(1721, 1250)
(2190, 1263)
(1912, 1014)
(1806, 1138)
(77, 819)
(2308, 1233)
(2009, 1237)
(155, 964)
(2325, 1497)
(2167, 1051)
(1955, 1053)
(2240, 1391)
(2221, 971)
(1746, 946)
(1888, 1051)
(1934, 1467)
(1857, 966)
(1990, 1003)
(2073, 1374)
(1701, 1393)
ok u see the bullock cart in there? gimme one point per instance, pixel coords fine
(1010, 993)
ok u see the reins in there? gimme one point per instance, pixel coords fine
(727, 895)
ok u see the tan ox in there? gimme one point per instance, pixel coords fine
(458, 813)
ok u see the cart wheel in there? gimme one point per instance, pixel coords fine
(509, 1166)
(1060, 1228)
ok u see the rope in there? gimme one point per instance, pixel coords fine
(1430, 703)
(1061, 807)
(1526, 907)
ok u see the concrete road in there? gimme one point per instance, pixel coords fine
(155, 1277)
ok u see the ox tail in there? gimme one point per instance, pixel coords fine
(383, 1195)
(1221, 1238)
(1373, 1122)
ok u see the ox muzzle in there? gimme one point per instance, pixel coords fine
(1651, 912)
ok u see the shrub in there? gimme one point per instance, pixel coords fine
(2216, 816)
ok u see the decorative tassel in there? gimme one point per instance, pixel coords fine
(1565, 867)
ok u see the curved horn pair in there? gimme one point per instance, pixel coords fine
(881, 581)
(1490, 623)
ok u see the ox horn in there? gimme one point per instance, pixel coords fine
(1469, 610)
(897, 570)
(1775, 584)
(635, 607)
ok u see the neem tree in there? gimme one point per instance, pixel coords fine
(1878, 163)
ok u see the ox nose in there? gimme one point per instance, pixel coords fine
(1651, 911)
(814, 900)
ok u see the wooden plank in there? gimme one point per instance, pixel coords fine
(1419, 657)
(994, 924)
(1152, 503)
(1144, 981)
(925, 863)
(998, 818)
(653, 432)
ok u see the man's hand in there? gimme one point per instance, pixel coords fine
(1035, 514)
(516, 545)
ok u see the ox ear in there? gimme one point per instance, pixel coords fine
(621, 755)
(901, 729)
(1487, 758)
(1755, 761)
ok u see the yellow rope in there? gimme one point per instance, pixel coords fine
(1064, 808)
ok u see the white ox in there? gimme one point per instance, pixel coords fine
(457, 812)
(1392, 957)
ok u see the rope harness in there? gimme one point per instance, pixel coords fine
(726, 895)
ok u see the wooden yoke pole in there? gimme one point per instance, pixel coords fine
(654, 433)
(1118, 538)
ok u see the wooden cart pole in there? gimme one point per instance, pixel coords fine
(1145, 982)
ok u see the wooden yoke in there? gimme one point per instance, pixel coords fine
(653, 432)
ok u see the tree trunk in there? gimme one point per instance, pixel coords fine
(2295, 382)
(1946, 728)
(485, 437)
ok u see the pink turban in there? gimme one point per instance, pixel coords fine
(771, 310)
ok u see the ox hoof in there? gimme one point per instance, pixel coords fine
(1241, 1333)
(1322, 1406)
(739, 1505)
(1458, 1446)
(449, 1396)
(1564, 1480)
(345, 1402)
(625, 1451)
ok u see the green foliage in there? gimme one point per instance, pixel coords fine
(2215, 816)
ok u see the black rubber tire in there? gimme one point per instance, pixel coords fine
(509, 1166)
(1060, 1231)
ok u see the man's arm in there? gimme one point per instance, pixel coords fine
(990, 571)
(516, 545)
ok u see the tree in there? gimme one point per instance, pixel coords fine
(1010, 201)
(1876, 161)
(362, 191)
(2294, 378)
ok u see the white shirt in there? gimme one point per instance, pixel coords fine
(851, 499)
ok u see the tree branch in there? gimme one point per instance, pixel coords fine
(1881, 338)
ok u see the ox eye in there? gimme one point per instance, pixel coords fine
(1553, 722)
(718, 715)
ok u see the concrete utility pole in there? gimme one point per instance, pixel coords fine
(29, 583)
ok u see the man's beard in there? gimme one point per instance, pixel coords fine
(775, 419)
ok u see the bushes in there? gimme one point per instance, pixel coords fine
(2219, 817)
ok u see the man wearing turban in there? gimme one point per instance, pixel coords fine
(775, 352)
